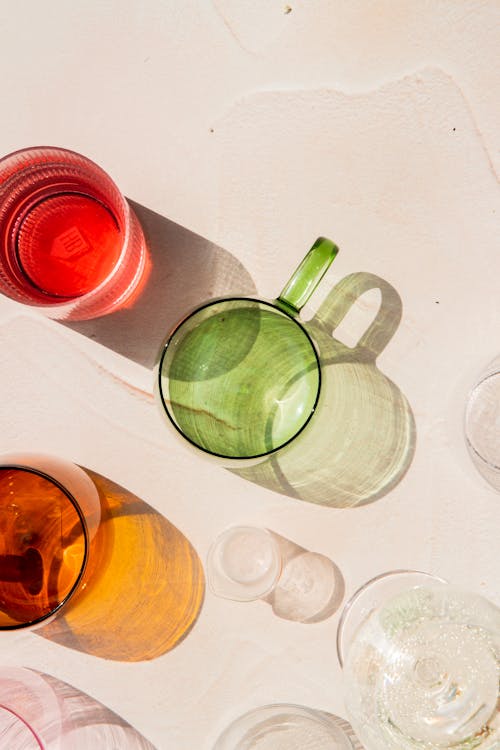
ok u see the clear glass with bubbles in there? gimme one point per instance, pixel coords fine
(422, 667)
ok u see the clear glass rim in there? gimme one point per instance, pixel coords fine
(86, 543)
(354, 599)
(179, 325)
(70, 302)
(276, 556)
(317, 715)
(472, 449)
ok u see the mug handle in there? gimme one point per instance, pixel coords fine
(344, 295)
(307, 276)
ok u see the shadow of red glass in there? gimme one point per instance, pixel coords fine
(145, 584)
(183, 271)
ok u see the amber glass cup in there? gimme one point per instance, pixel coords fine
(49, 514)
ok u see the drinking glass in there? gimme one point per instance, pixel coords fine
(40, 712)
(284, 726)
(49, 515)
(246, 563)
(239, 378)
(70, 244)
(482, 424)
(30, 713)
(421, 662)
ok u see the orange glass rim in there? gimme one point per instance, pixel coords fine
(85, 533)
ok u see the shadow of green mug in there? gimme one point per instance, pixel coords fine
(240, 378)
(362, 438)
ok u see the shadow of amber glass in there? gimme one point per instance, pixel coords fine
(144, 585)
(361, 439)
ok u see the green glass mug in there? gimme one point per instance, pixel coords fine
(239, 378)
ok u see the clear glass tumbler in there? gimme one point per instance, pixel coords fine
(284, 726)
(70, 244)
(482, 424)
(246, 563)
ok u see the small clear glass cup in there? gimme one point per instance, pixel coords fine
(70, 245)
(284, 726)
(482, 424)
(240, 378)
(49, 516)
(421, 662)
(246, 563)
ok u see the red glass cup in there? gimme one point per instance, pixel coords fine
(70, 244)
(50, 513)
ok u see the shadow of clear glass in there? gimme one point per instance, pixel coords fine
(482, 424)
(70, 245)
(240, 378)
(145, 589)
(285, 725)
(184, 269)
(40, 712)
(247, 563)
(421, 664)
(362, 438)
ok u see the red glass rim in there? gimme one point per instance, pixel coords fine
(120, 211)
(85, 534)
(25, 724)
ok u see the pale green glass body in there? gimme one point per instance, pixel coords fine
(239, 378)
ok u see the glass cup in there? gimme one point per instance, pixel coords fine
(284, 726)
(70, 244)
(482, 424)
(49, 515)
(421, 661)
(30, 713)
(246, 563)
(240, 378)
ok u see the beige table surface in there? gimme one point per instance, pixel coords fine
(257, 126)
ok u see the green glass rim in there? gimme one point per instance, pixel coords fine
(280, 311)
(74, 503)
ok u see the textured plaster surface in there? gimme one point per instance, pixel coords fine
(260, 126)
